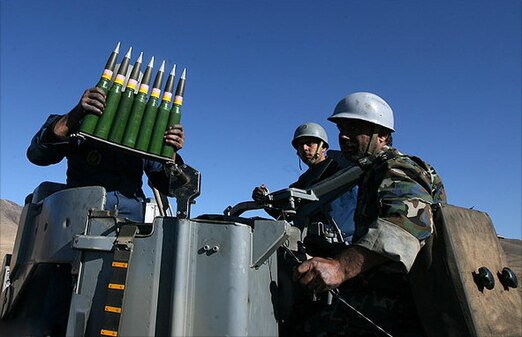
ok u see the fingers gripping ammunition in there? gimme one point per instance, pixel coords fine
(128, 117)
(162, 118)
(175, 113)
(113, 99)
(91, 120)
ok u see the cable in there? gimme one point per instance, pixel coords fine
(335, 294)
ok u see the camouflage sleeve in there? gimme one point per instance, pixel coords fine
(439, 193)
(405, 217)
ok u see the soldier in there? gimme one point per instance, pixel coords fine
(332, 225)
(311, 142)
(393, 219)
(89, 165)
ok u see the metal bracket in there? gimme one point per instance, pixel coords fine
(89, 242)
(188, 191)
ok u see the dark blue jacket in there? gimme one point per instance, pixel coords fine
(91, 165)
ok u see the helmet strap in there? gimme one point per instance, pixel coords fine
(372, 145)
(317, 153)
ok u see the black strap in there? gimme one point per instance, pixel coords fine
(116, 288)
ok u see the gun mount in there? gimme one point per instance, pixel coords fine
(301, 202)
(189, 190)
(78, 270)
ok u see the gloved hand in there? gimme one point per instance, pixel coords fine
(260, 192)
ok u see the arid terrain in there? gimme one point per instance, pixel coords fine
(9, 216)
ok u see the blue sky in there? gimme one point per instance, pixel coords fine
(451, 70)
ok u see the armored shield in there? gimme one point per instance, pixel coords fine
(459, 280)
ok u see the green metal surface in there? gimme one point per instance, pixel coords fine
(113, 99)
(91, 120)
(125, 106)
(136, 115)
(149, 116)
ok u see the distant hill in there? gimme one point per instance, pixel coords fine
(10, 215)
(513, 250)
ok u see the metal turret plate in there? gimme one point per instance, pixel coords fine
(463, 292)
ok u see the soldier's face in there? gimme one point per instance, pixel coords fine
(309, 151)
(354, 137)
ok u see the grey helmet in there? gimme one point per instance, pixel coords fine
(364, 106)
(310, 130)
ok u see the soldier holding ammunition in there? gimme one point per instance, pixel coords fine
(393, 220)
(89, 165)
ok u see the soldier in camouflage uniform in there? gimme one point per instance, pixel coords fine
(393, 219)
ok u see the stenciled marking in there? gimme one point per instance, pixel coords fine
(113, 309)
(120, 264)
(116, 286)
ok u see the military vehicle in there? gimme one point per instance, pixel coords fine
(80, 270)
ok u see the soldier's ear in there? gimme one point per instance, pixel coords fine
(383, 135)
(383, 138)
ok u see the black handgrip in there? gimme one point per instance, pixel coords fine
(484, 278)
(508, 278)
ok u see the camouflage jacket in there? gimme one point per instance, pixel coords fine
(394, 215)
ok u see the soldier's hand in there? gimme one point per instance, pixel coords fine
(92, 101)
(320, 274)
(259, 192)
(175, 136)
